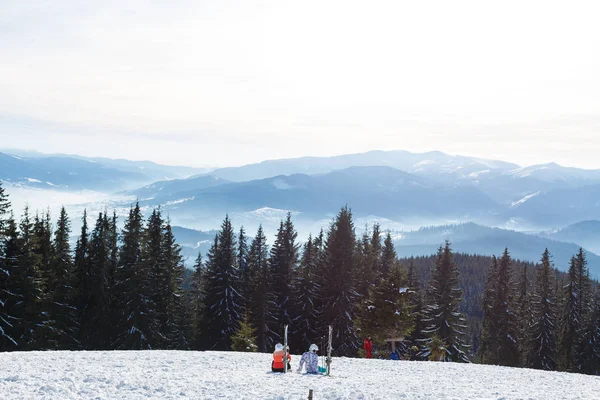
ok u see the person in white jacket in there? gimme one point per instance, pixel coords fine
(311, 360)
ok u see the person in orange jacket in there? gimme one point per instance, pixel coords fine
(277, 364)
(368, 346)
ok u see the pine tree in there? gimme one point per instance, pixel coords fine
(157, 278)
(363, 265)
(4, 210)
(489, 339)
(81, 276)
(63, 287)
(570, 320)
(95, 331)
(134, 328)
(244, 338)
(589, 344)
(42, 233)
(283, 264)
(416, 337)
(443, 317)
(387, 312)
(6, 319)
(178, 330)
(30, 282)
(197, 302)
(524, 315)
(223, 308)
(242, 262)
(10, 291)
(306, 288)
(585, 311)
(260, 300)
(542, 350)
(111, 276)
(507, 350)
(338, 294)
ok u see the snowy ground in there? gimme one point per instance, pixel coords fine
(228, 375)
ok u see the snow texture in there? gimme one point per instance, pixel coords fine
(229, 375)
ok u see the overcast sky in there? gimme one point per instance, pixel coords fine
(231, 82)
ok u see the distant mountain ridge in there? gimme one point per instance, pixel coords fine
(430, 188)
(59, 172)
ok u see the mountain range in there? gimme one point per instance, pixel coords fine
(403, 191)
(68, 172)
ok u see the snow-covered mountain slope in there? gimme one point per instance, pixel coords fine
(229, 375)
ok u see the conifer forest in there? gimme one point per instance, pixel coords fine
(128, 289)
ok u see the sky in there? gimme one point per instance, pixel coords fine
(218, 83)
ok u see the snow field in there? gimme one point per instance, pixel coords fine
(230, 375)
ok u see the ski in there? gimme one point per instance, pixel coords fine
(328, 360)
(285, 349)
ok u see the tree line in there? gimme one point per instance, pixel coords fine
(128, 289)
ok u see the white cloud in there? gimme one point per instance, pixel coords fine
(235, 81)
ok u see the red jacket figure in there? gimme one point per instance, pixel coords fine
(368, 345)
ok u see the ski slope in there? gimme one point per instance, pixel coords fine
(229, 375)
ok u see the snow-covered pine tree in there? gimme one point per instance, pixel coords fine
(111, 277)
(242, 262)
(178, 328)
(10, 290)
(443, 317)
(507, 350)
(42, 244)
(6, 340)
(62, 287)
(338, 293)
(542, 350)
(133, 329)
(375, 252)
(306, 288)
(570, 320)
(95, 330)
(586, 311)
(387, 311)
(222, 301)
(283, 264)
(588, 361)
(416, 337)
(81, 271)
(489, 337)
(524, 314)
(31, 288)
(196, 302)
(363, 266)
(158, 280)
(260, 300)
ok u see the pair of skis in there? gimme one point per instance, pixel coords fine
(285, 350)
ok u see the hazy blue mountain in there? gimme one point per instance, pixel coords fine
(428, 164)
(151, 170)
(192, 242)
(64, 173)
(585, 233)
(370, 191)
(506, 183)
(476, 239)
(164, 191)
(76, 173)
(561, 207)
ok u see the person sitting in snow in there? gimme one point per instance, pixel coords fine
(277, 365)
(311, 360)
